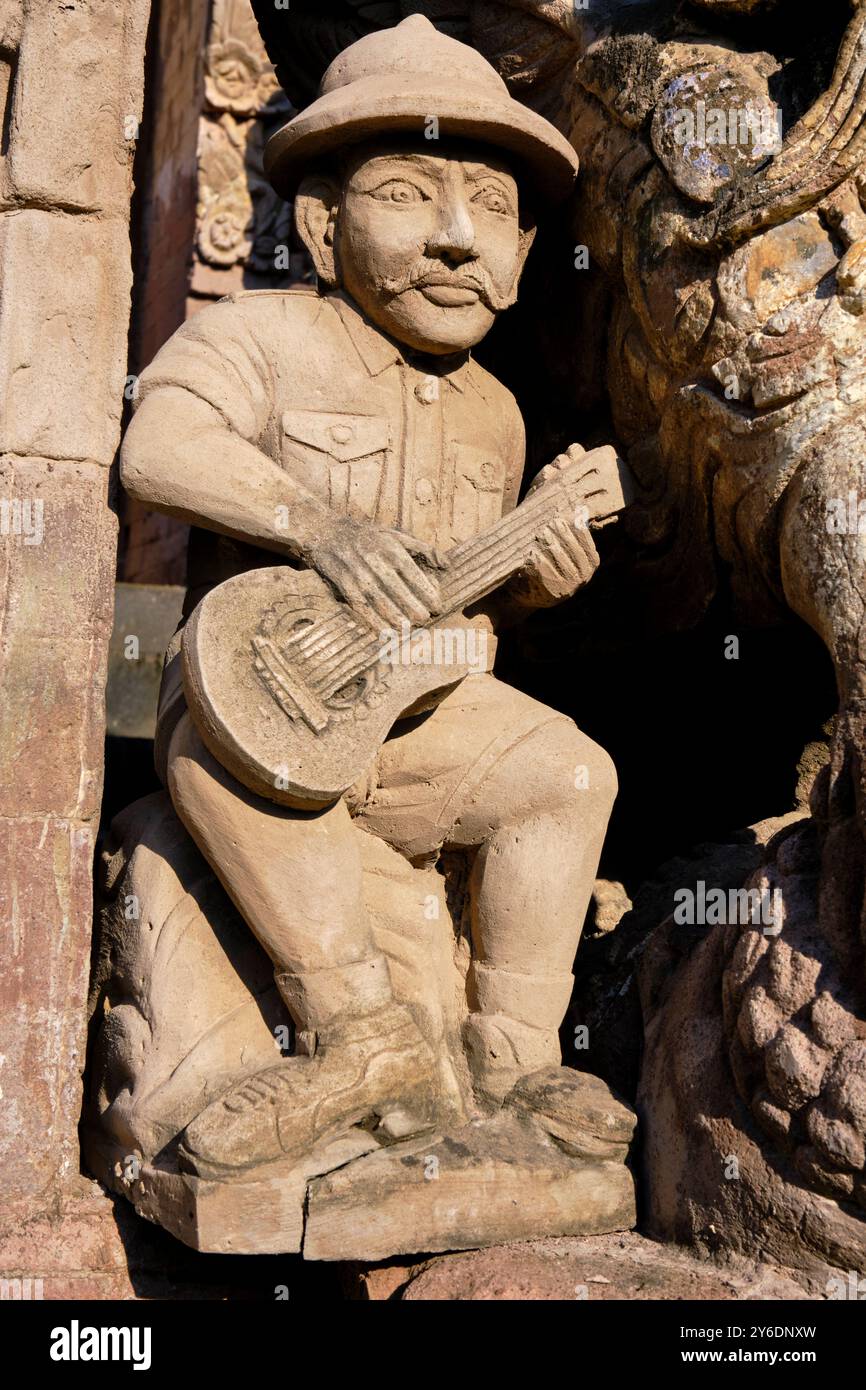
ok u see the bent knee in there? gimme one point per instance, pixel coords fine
(557, 768)
(576, 764)
(193, 777)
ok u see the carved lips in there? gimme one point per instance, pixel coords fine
(450, 293)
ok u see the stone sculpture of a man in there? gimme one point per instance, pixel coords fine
(349, 430)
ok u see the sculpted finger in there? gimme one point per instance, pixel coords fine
(580, 548)
(424, 586)
(570, 540)
(383, 606)
(377, 599)
(423, 548)
(558, 546)
(354, 594)
(584, 538)
(333, 568)
(543, 542)
(562, 561)
(543, 476)
(336, 570)
(397, 590)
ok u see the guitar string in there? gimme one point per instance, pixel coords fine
(351, 631)
(528, 513)
(356, 661)
(315, 635)
(508, 535)
(462, 587)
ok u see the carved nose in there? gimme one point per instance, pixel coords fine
(454, 237)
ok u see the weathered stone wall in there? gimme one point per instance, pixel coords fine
(153, 548)
(207, 221)
(74, 83)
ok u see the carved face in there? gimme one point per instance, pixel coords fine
(429, 244)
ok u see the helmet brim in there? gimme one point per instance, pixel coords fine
(349, 115)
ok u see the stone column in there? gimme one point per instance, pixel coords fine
(72, 79)
(153, 547)
(210, 224)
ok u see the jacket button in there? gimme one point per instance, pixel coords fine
(341, 434)
(427, 391)
(423, 490)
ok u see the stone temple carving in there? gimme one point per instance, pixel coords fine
(735, 370)
(732, 355)
(241, 223)
(373, 855)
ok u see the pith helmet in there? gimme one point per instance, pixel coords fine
(395, 80)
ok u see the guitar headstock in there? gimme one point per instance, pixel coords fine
(600, 485)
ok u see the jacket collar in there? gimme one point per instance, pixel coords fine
(378, 352)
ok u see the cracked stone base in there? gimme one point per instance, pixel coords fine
(486, 1183)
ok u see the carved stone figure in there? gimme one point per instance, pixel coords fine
(412, 900)
(733, 359)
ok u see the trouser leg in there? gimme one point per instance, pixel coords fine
(296, 879)
(539, 821)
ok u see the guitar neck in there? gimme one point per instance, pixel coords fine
(476, 567)
(479, 565)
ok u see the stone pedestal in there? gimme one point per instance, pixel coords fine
(489, 1182)
(550, 1162)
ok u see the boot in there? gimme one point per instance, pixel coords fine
(365, 1060)
(514, 1027)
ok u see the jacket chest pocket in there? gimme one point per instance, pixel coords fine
(339, 457)
(479, 490)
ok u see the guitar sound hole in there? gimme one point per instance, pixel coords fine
(352, 692)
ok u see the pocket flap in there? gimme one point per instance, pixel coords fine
(344, 437)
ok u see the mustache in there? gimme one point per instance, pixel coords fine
(475, 277)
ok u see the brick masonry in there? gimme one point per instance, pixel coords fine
(73, 81)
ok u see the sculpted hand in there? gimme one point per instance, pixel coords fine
(376, 573)
(562, 560)
(564, 557)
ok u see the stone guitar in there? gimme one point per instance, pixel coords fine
(290, 687)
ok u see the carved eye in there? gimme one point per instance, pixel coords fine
(493, 199)
(398, 191)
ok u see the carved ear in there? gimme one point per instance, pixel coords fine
(316, 204)
(527, 237)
